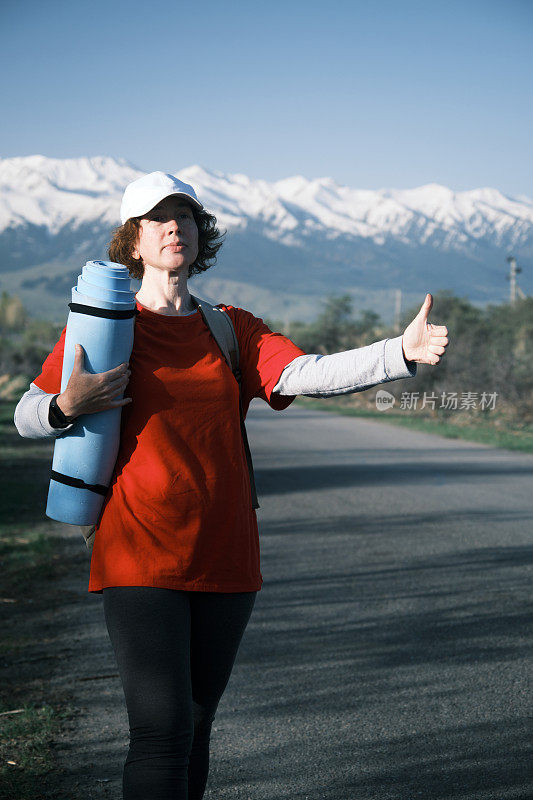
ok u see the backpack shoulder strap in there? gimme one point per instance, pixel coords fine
(223, 332)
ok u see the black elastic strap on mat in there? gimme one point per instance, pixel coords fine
(78, 483)
(103, 312)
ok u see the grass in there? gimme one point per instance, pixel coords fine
(25, 559)
(24, 472)
(28, 556)
(26, 755)
(495, 430)
(26, 548)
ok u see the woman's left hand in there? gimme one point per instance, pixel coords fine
(423, 342)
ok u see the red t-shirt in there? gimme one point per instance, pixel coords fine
(178, 513)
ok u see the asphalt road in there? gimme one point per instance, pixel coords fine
(387, 653)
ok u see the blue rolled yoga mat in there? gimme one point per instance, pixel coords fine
(101, 319)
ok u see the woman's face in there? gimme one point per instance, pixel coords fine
(168, 236)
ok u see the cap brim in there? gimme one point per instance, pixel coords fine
(151, 202)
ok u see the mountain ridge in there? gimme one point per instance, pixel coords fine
(300, 235)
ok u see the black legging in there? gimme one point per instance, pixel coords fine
(175, 651)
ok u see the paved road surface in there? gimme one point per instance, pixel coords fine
(387, 654)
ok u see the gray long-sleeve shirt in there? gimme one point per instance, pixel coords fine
(346, 372)
(309, 375)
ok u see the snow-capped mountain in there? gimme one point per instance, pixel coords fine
(303, 236)
(52, 193)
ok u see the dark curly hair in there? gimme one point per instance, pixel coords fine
(125, 237)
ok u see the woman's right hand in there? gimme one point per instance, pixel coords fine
(88, 392)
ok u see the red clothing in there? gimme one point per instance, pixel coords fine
(178, 513)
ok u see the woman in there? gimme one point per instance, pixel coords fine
(176, 550)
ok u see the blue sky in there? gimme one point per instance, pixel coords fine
(373, 94)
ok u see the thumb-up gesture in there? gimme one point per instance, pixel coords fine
(423, 342)
(89, 392)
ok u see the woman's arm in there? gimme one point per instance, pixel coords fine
(32, 415)
(86, 393)
(356, 370)
(343, 373)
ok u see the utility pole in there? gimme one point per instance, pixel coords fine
(397, 309)
(514, 270)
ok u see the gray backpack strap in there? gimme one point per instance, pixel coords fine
(223, 332)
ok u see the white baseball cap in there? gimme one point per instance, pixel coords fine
(141, 195)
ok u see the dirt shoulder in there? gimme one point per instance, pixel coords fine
(62, 723)
(91, 745)
(59, 659)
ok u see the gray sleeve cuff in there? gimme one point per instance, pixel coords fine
(31, 415)
(396, 366)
